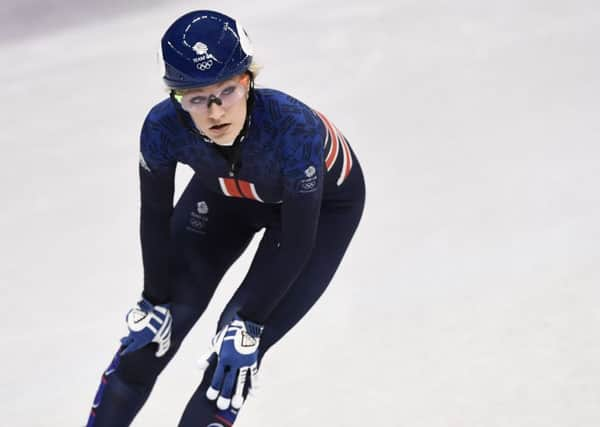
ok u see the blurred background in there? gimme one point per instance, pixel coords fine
(469, 296)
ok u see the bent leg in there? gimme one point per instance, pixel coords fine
(338, 221)
(129, 379)
(203, 248)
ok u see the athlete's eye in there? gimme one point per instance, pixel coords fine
(198, 100)
(228, 90)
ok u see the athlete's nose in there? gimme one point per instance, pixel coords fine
(215, 111)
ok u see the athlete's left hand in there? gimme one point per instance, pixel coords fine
(236, 349)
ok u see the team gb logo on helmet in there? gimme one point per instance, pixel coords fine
(200, 48)
(205, 60)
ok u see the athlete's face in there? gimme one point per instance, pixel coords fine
(219, 110)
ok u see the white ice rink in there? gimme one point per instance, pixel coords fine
(470, 296)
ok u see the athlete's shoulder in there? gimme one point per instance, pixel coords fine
(286, 113)
(276, 99)
(275, 95)
(159, 131)
(164, 115)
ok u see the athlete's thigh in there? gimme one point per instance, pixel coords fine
(337, 224)
(339, 217)
(336, 228)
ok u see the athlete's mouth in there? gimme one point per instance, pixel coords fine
(221, 126)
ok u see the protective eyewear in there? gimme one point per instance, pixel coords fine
(200, 102)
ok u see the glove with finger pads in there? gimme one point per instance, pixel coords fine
(235, 347)
(148, 323)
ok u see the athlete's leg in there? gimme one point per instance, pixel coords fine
(337, 223)
(204, 245)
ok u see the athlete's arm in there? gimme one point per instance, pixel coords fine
(283, 253)
(157, 183)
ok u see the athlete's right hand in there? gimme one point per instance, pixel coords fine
(148, 323)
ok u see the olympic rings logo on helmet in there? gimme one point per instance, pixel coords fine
(205, 65)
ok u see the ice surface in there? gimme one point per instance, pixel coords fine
(470, 294)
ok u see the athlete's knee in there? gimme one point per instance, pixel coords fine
(140, 368)
(123, 386)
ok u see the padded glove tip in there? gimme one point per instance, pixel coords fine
(223, 403)
(211, 393)
(202, 365)
(237, 402)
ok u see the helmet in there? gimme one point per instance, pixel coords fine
(202, 48)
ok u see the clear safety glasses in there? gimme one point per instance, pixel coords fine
(199, 100)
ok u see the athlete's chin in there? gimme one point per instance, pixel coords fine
(224, 138)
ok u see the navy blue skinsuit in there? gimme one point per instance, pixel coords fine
(290, 172)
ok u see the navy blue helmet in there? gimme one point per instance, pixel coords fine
(202, 48)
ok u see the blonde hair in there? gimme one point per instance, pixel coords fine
(255, 68)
